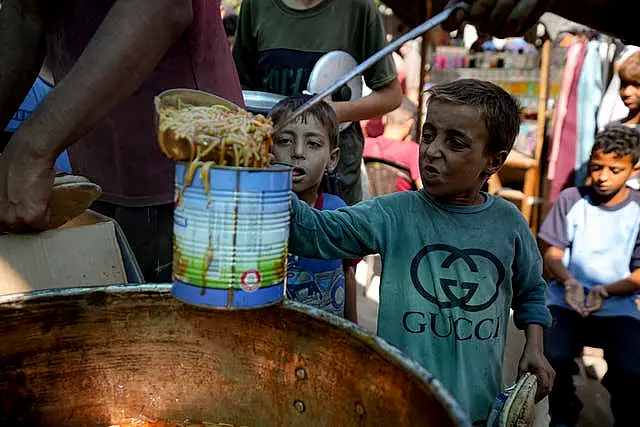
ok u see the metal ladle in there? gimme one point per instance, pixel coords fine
(416, 32)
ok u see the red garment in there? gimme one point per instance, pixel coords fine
(565, 162)
(121, 153)
(373, 128)
(402, 153)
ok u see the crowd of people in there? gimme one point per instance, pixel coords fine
(455, 259)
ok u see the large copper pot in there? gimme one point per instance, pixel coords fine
(96, 356)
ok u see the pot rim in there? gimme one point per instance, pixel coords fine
(379, 345)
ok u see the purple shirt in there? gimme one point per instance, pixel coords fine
(121, 152)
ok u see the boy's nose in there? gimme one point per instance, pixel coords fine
(432, 150)
(298, 150)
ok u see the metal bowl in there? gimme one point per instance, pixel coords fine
(97, 356)
(175, 148)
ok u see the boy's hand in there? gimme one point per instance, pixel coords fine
(595, 299)
(574, 296)
(533, 361)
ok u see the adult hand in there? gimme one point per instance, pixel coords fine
(533, 361)
(595, 299)
(26, 178)
(574, 296)
(500, 18)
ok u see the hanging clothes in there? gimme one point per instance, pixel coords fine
(589, 97)
(565, 138)
(612, 108)
(575, 57)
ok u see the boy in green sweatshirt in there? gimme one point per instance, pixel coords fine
(454, 259)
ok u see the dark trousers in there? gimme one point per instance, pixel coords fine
(619, 337)
(149, 231)
(351, 148)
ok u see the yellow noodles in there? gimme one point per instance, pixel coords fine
(219, 134)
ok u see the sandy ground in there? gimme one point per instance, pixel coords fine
(595, 398)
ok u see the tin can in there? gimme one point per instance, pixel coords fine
(231, 231)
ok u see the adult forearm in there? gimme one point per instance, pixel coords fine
(615, 17)
(22, 52)
(376, 104)
(129, 43)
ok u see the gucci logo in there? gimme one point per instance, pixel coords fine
(470, 300)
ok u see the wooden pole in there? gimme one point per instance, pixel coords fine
(533, 177)
(428, 9)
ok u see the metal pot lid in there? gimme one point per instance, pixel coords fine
(331, 67)
(260, 102)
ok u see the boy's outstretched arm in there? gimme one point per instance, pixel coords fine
(345, 233)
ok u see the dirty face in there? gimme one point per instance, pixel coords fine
(306, 145)
(454, 161)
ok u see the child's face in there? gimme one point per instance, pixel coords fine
(609, 172)
(305, 144)
(630, 93)
(454, 162)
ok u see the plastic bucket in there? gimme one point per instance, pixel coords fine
(230, 242)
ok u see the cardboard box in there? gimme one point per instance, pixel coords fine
(90, 250)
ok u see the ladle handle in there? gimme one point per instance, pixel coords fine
(416, 32)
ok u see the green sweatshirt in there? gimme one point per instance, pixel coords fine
(449, 276)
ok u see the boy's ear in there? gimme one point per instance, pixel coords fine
(495, 162)
(635, 171)
(334, 158)
(409, 125)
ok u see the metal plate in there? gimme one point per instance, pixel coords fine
(329, 68)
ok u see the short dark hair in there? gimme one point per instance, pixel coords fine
(618, 139)
(320, 111)
(630, 69)
(230, 24)
(499, 110)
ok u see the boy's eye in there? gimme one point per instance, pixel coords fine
(616, 170)
(427, 136)
(284, 141)
(595, 167)
(456, 143)
(314, 143)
